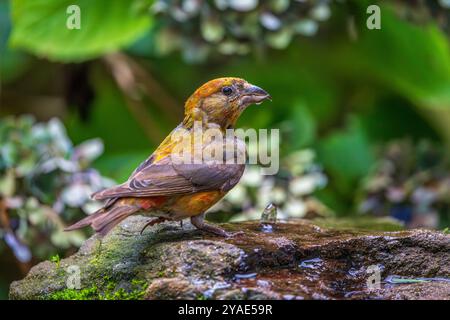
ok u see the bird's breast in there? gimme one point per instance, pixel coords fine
(193, 204)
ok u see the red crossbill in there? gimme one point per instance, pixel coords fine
(166, 190)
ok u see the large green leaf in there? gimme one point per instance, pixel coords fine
(106, 25)
(410, 59)
(303, 126)
(346, 155)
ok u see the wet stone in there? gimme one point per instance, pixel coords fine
(298, 259)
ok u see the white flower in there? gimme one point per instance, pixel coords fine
(321, 12)
(278, 195)
(76, 194)
(306, 27)
(295, 208)
(58, 132)
(89, 149)
(303, 185)
(265, 192)
(252, 177)
(270, 21)
(243, 5)
(237, 195)
(250, 214)
(91, 206)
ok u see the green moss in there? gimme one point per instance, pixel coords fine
(94, 262)
(73, 294)
(161, 274)
(96, 256)
(56, 259)
(138, 288)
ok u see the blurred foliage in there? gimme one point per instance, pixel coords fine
(343, 95)
(99, 33)
(45, 182)
(204, 28)
(290, 190)
(425, 10)
(339, 92)
(410, 183)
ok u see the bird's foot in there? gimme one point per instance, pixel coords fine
(199, 223)
(153, 222)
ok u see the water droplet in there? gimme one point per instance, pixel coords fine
(352, 272)
(269, 215)
(393, 279)
(311, 263)
(266, 228)
(245, 275)
(268, 218)
(217, 286)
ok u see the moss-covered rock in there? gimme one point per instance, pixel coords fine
(295, 260)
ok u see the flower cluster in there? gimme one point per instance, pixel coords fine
(291, 190)
(233, 27)
(44, 180)
(411, 183)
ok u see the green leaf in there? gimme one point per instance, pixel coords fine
(347, 155)
(304, 126)
(12, 63)
(106, 25)
(411, 60)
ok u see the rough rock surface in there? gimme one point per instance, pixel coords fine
(293, 260)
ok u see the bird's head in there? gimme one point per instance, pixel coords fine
(221, 101)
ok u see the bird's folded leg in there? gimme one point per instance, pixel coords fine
(153, 222)
(199, 223)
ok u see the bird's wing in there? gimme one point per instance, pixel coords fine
(166, 178)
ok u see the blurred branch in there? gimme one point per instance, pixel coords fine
(154, 91)
(126, 80)
(144, 81)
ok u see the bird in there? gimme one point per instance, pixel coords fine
(163, 187)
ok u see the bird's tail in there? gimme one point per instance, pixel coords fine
(103, 220)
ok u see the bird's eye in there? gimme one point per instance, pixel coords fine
(227, 91)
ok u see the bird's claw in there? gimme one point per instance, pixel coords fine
(199, 223)
(152, 222)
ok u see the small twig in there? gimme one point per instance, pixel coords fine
(155, 91)
(125, 79)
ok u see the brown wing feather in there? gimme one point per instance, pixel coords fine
(167, 179)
